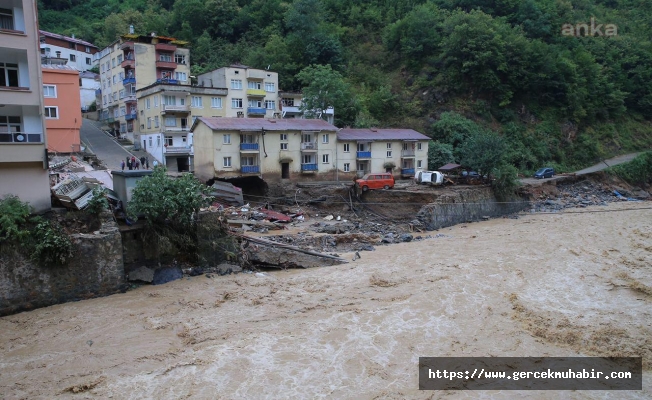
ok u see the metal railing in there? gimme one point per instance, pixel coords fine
(249, 146)
(250, 169)
(308, 167)
(20, 137)
(309, 146)
(363, 154)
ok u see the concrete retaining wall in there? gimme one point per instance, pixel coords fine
(97, 270)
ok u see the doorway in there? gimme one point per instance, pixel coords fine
(285, 170)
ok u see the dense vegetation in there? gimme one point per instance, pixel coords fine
(458, 70)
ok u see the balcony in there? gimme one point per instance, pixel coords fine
(363, 154)
(308, 167)
(128, 63)
(250, 169)
(309, 146)
(168, 81)
(127, 45)
(20, 137)
(174, 129)
(177, 150)
(407, 153)
(291, 110)
(256, 111)
(127, 81)
(166, 64)
(407, 171)
(256, 92)
(98, 92)
(131, 98)
(248, 146)
(131, 117)
(175, 108)
(166, 47)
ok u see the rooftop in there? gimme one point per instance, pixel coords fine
(258, 124)
(373, 134)
(66, 38)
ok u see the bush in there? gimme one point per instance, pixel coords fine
(51, 244)
(98, 202)
(14, 217)
(505, 181)
(636, 172)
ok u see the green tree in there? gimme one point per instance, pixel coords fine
(323, 88)
(439, 154)
(483, 152)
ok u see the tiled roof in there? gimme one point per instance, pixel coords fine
(89, 75)
(59, 67)
(380, 134)
(66, 38)
(257, 124)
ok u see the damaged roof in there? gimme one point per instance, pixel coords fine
(380, 134)
(257, 124)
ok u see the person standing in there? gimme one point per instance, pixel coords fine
(147, 162)
(129, 165)
(142, 161)
(122, 164)
(137, 164)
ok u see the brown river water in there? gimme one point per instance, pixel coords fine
(541, 285)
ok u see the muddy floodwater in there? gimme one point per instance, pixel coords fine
(541, 285)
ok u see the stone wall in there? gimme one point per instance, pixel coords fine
(467, 205)
(96, 270)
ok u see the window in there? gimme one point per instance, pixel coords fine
(179, 58)
(170, 121)
(347, 167)
(88, 49)
(236, 103)
(247, 161)
(88, 61)
(121, 76)
(197, 102)
(156, 121)
(52, 112)
(288, 102)
(284, 137)
(73, 58)
(122, 93)
(149, 122)
(216, 102)
(324, 158)
(227, 162)
(236, 84)
(156, 101)
(119, 58)
(147, 104)
(361, 147)
(253, 85)
(181, 76)
(49, 91)
(115, 79)
(104, 99)
(112, 63)
(284, 146)
(165, 58)
(9, 74)
(255, 103)
(150, 141)
(269, 86)
(389, 154)
(7, 18)
(307, 159)
(324, 138)
(123, 111)
(419, 146)
(158, 141)
(169, 100)
(419, 163)
(346, 147)
(226, 138)
(168, 141)
(71, 45)
(389, 146)
(270, 104)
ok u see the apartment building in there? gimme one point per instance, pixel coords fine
(79, 53)
(252, 93)
(89, 83)
(398, 151)
(166, 116)
(62, 103)
(290, 107)
(23, 156)
(135, 62)
(272, 149)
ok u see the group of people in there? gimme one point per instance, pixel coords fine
(134, 163)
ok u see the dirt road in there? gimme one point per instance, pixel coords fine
(541, 285)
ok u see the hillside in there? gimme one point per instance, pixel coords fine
(524, 78)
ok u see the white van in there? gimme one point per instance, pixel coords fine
(429, 177)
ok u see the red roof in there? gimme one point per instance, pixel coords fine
(380, 134)
(66, 38)
(257, 124)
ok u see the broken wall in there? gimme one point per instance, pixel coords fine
(96, 270)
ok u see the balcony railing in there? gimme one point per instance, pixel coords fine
(248, 146)
(128, 63)
(250, 169)
(176, 128)
(131, 117)
(130, 98)
(166, 64)
(291, 109)
(165, 47)
(127, 81)
(309, 146)
(407, 153)
(184, 108)
(308, 167)
(178, 150)
(256, 110)
(363, 154)
(20, 137)
(407, 171)
(256, 92)
(168, 81)
(127, 45)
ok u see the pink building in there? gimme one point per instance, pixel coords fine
(62, 108)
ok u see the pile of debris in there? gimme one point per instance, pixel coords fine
(257, 219)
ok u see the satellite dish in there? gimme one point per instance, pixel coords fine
(20, 138)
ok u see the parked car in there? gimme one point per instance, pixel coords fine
(429, 177)
(375, 181)
(543, 173)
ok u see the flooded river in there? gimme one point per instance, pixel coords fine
(541, 285)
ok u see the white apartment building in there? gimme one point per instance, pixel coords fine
(79, 53)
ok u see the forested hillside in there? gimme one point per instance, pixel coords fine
(496, 72)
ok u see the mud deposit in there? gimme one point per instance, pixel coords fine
(540, 285)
